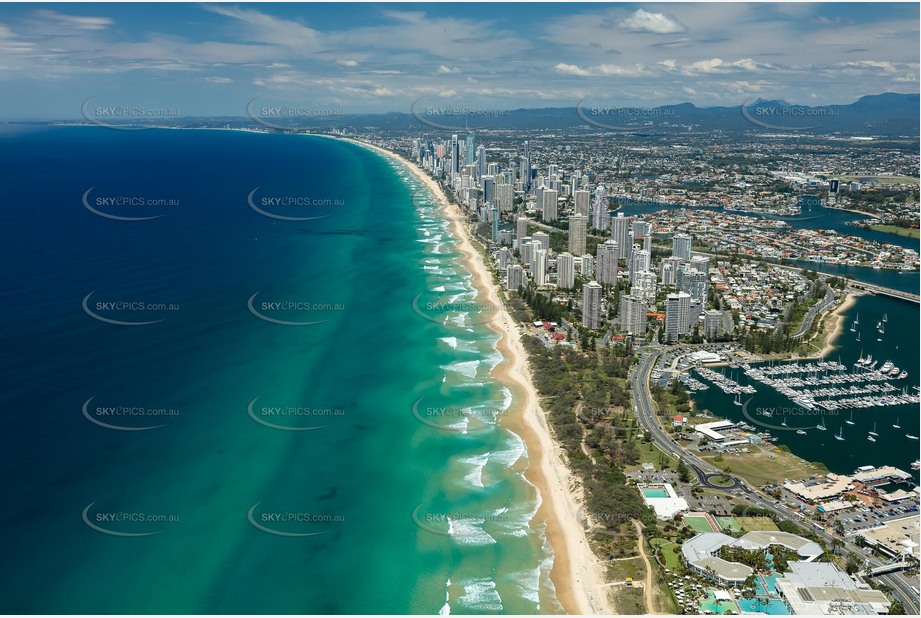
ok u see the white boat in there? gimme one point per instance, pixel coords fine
(801, 432)
(903, 375)
(857, 319)
(911, 437)
(871, 438)
(738, 400)
(783, 423)
(850, 421)
(873, 433)
(885, 317)
(821, 426)
(916, 465)
(840, 435)
(897, 426)
(858, 337)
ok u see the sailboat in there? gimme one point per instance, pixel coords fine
(821, 426)
(850, 421)
(885, 317)
(853, 326)
(897, 426)
(911, 437)
(738, 400)
(871, 438)
(858, 336)
(783, 423)
(840, 435)
(873, 433)
(801, 432)
(857, 320)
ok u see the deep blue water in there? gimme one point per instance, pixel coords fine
(208, 472)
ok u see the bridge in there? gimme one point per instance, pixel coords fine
(889, 567)
(883, 291)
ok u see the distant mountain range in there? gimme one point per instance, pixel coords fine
(884, 114)
(888, 114)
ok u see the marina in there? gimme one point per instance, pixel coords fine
(858, 385)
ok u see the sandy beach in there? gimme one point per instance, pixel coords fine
(831, 333)
(576, 573)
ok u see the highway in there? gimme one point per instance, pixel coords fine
(646, 416)
(815, 310)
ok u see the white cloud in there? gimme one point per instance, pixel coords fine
(347, 62)
(219, 80)
(78, 22)
(571, 69)
(442, 69)
(657, 23)
(632, 71)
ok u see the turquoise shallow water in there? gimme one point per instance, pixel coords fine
(371, 510)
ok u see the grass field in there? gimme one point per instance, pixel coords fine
(729, 524)
(699, 524)
(883, 180)
(650, 453)
(909, 232)
(766, 464)
(670, 557)
(750, 524)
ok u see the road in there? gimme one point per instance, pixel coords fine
(646, 416)
(815, 310)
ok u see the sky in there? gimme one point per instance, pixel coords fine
(213, 59)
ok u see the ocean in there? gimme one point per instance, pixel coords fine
(245, 373)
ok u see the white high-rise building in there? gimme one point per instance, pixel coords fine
(543, 238)
(701, 263)
(607, 262)
(515, 276)
(502, 257)
(677, 315)
(524, 250)
(631, 315)
(644, 287)
(620, 233)
(505, 196)
(535, 247)
(549, 200)
(565, 271)
(581, 203)
(600, 209)
(540, 267)
(693, 282)
(639, 263)
(681, 246)
(587, 266)
(591, 305)
(670, 267)
(578, 230)
(713, 324)
(521, 230)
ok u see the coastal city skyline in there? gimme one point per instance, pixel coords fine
(386, 57)
(417, 309)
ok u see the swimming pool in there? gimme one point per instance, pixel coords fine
(655, 493)
(773, 607)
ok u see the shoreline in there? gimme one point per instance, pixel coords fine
(829, 333)
(575, 574)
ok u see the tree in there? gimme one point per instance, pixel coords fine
(684, 473)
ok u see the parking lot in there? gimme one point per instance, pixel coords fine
(862, 517)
